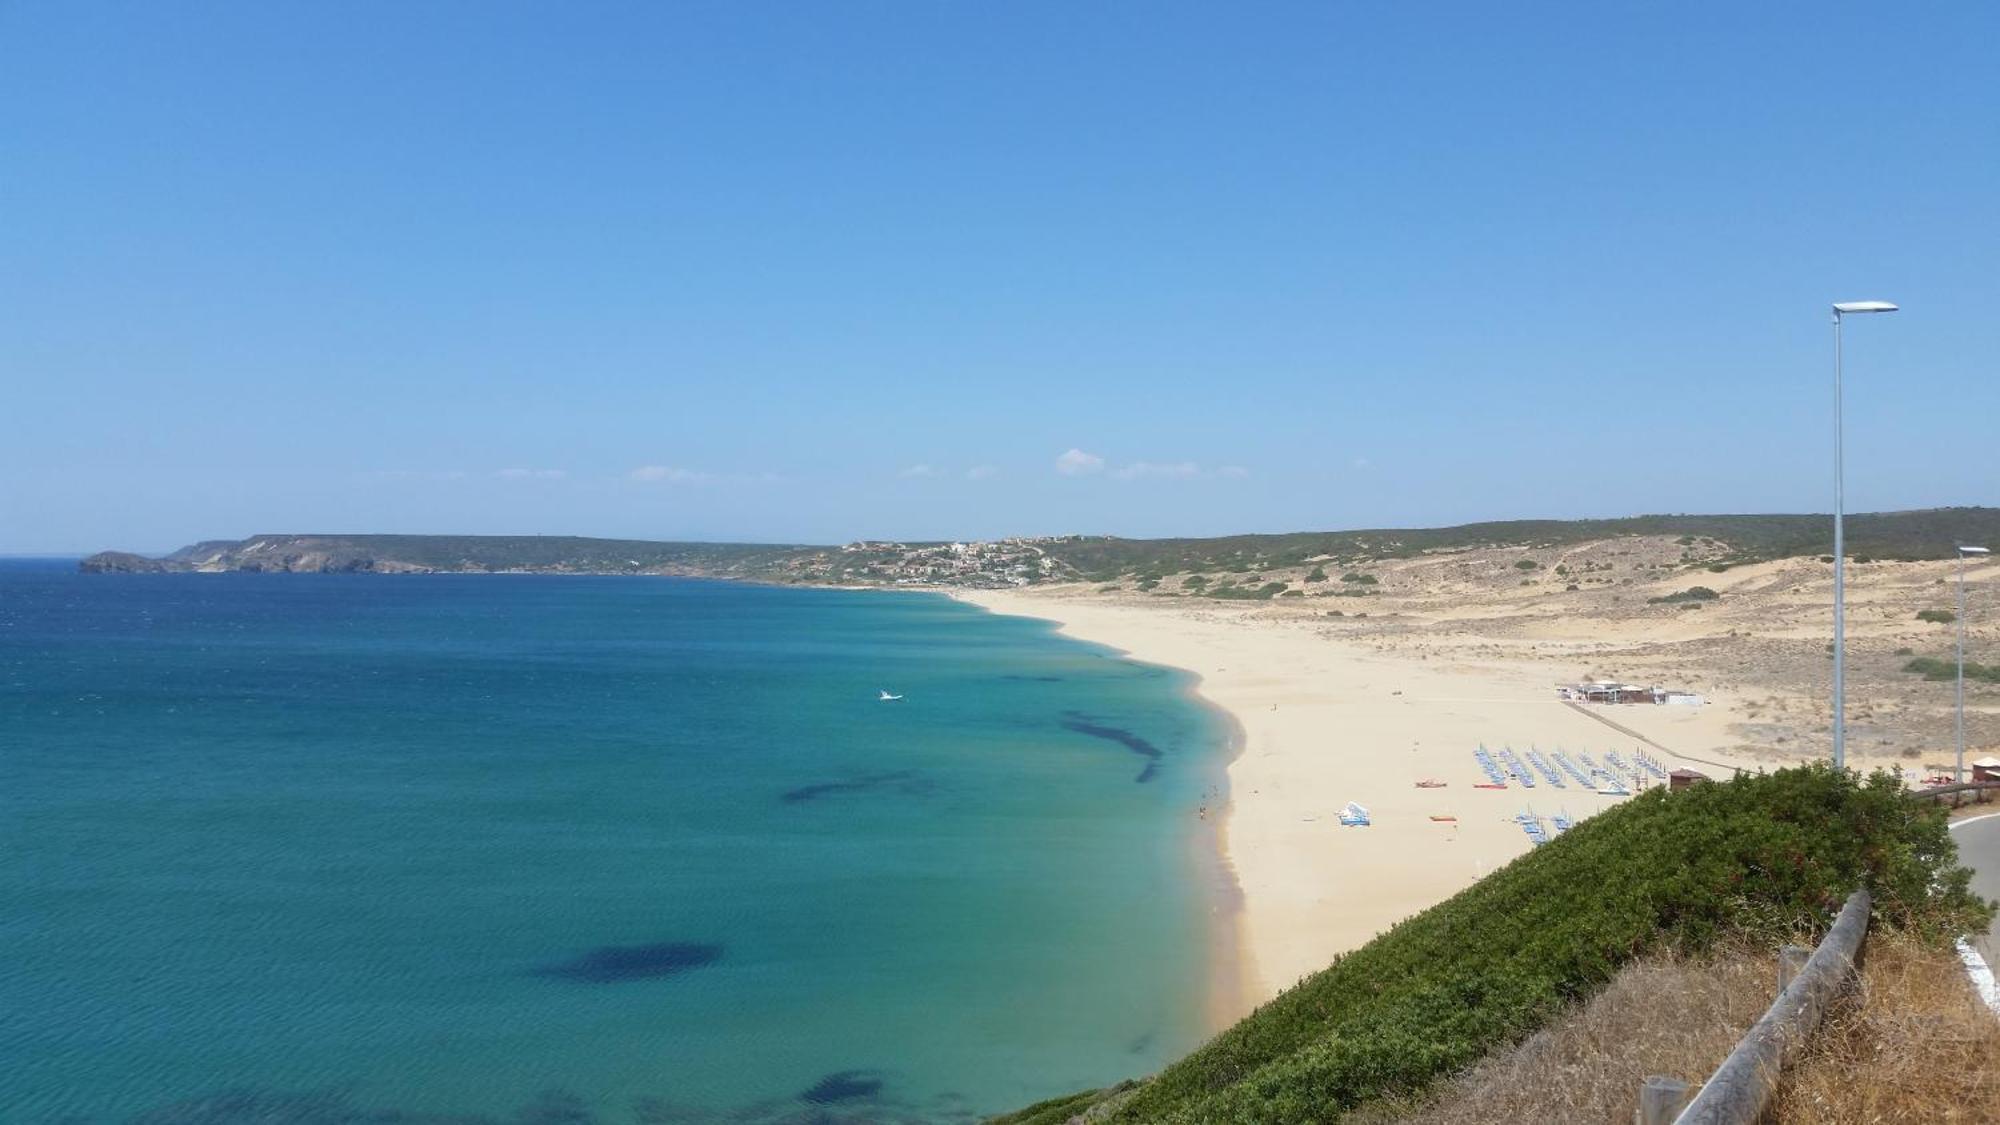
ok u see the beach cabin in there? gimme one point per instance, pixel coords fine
(1986, 769)
(1681, 779)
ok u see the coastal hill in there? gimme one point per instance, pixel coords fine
(432, 554)
(1714, 541)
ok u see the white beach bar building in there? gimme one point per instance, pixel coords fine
(1611, 691)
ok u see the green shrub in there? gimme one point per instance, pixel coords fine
(1691, 594)
(1358, 578)
(1937, 616)
(1933, 668)
(1195, 581)
(1293, 594)
(1265, 592)
(1148, 584)
(1527, 564)
(1056, 1111)
(1770, 857)
(1318, 574)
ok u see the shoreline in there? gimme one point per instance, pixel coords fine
(1319, 720)
(1231, 981)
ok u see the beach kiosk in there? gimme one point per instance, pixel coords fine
(1986, 769)
(1681, 779)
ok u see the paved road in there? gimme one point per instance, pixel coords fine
(1979, 849)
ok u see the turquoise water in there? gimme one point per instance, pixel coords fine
(328, 849)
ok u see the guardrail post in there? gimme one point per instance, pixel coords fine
(1791, 959)
(1661, 1099)
(1740, 1089)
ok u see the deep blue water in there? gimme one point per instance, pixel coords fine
(327, 849)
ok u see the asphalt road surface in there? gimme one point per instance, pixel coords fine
(1979, 848)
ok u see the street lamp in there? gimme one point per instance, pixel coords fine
(1840, 310)
(1963, 551)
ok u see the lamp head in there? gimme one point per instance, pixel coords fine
(1842, 308)
(1965, 550)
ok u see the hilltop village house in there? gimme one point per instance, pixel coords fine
(1611, 691)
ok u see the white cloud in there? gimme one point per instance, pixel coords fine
(413, 474)
(1361, 462)
(918, 471)
(531, 474)
(1233, 472)
(1178, 470)
(1077, 463)
(667, 474)
(982, 472)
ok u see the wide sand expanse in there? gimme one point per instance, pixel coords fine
(1326, 722)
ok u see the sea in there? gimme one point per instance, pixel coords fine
(529, 850)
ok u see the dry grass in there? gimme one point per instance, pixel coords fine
(1659, 1016)
(1912, 1043)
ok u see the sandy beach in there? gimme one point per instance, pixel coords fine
(1328, 718)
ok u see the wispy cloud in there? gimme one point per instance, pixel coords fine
(1077, 463)
(982, 472)
(1361, 463)
(415, 474)
(675, 474)
(917, 471)
(1177, 470)
(532, 474)
(669, 474)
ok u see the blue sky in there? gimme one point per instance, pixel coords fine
(816, 272)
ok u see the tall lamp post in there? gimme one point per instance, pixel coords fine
(1963, 551)
(1842, 310)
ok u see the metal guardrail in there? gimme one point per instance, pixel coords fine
(1963, 787)
(1741, 1088)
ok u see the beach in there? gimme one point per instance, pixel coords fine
(1327, 719)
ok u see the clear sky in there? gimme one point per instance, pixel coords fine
(823, 271)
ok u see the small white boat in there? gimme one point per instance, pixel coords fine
(888, 698)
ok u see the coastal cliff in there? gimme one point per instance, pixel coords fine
(1007, 562)
(454, 554)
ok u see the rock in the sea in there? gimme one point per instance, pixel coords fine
(125, 562)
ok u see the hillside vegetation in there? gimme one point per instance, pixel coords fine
(1714, 542)
(1736, 539)
(1767, 858)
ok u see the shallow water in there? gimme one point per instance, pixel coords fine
(341, 848)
